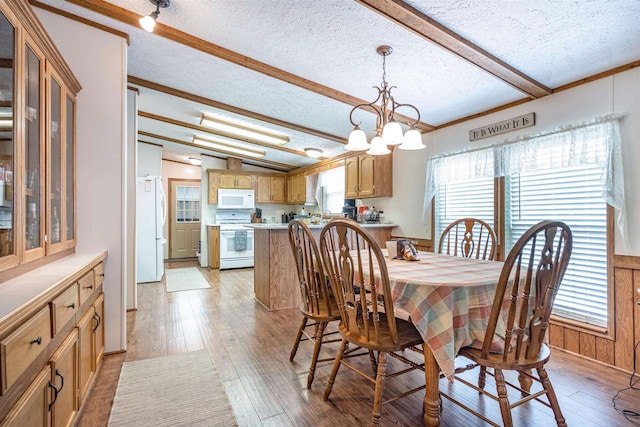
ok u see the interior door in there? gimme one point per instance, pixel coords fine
(184, 218)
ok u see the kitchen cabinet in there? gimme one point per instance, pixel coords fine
(271, 189)
(368, 176)
(296, 186)
(64, 377)
(37, 217)
(214, 248)
(52, 342)
(226, 180)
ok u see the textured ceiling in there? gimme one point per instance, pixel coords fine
(332, 43)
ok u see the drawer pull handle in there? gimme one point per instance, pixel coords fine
(36, 341)
(72, 305)
(98, 320)
(89, 287)
(101, 274)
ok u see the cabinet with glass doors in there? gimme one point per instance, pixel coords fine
(37, 142)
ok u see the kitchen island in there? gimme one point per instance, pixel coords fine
(275, 282)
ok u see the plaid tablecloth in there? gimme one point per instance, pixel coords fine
(448, 299)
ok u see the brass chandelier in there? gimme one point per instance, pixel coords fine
(388, 130)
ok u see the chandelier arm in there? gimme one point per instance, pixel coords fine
(417, 120)
(364, 105)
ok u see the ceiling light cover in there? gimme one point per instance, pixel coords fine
(388, 130)
(314, 153)
(195, 161)
(228, 147)
(148, 22)
(243, 130)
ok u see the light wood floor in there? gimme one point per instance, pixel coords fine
(250, 348)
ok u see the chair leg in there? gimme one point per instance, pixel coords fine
(374, 362)
(334, 370)
(503, 399)
(525, 382)
(377, 397)
(316, 351)
(551, 394)
(294, 350)
(482, 377)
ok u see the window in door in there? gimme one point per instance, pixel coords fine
(187, 203)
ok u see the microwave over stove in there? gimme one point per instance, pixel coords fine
(236, 199)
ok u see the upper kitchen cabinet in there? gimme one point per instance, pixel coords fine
(37, 141)
(227, 180)
(296, 188)
(271, 189)
(368, 176)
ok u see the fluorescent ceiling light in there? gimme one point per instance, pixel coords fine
(245, 131)
(195, 161)
(228, 147)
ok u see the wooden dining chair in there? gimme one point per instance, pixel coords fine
(470, 238)
(515, 332)
(353, 261)
(317, 303)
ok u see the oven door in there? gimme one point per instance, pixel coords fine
(234, 252)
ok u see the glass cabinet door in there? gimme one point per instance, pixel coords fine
(55, 163)
(34, 143)
(7, 141)
(69, 150)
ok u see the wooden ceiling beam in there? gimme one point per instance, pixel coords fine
(282, 166)
(130, 18)
(419, 23)
(205, 129)
(232, 109)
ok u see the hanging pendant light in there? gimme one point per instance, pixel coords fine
(388, 129)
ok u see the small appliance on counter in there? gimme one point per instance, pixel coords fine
(349, 209)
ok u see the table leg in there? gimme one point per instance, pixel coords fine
(431, 406)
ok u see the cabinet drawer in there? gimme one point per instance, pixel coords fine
(23, 346)
(87, 284)
(98, 270)
(64, 307)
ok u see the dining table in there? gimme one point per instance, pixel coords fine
(449, 300)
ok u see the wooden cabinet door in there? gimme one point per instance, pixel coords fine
(214, 247)
(98, 331)
(264, 189)
(290, 193)
(32, 409)
(86, 357)
(213, 188)
(366, 175)
(243, 181)
(226, 181)
(278, 192)
(64, 376)
(351, 178)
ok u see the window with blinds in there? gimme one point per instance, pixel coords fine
(461, 199)
(187, 204)
(574, 196)
(332, 182)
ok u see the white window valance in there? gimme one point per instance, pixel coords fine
(595, 142)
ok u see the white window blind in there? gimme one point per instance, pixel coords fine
(461, 199)
(331, 182)
(574, 196)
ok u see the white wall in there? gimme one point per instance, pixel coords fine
(98, 60)
(614, 94)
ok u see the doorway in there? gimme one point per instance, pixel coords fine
(184, 218)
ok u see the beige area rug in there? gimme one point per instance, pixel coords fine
(185, 279)
(178, 390)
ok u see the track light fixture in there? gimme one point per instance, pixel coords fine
(149, 21)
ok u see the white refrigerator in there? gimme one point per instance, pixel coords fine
(151, 212)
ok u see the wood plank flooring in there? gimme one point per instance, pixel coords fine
(250, 348)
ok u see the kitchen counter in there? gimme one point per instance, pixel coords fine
(279, 226)
(275, 282)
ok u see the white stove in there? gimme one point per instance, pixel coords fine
(236, 241)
